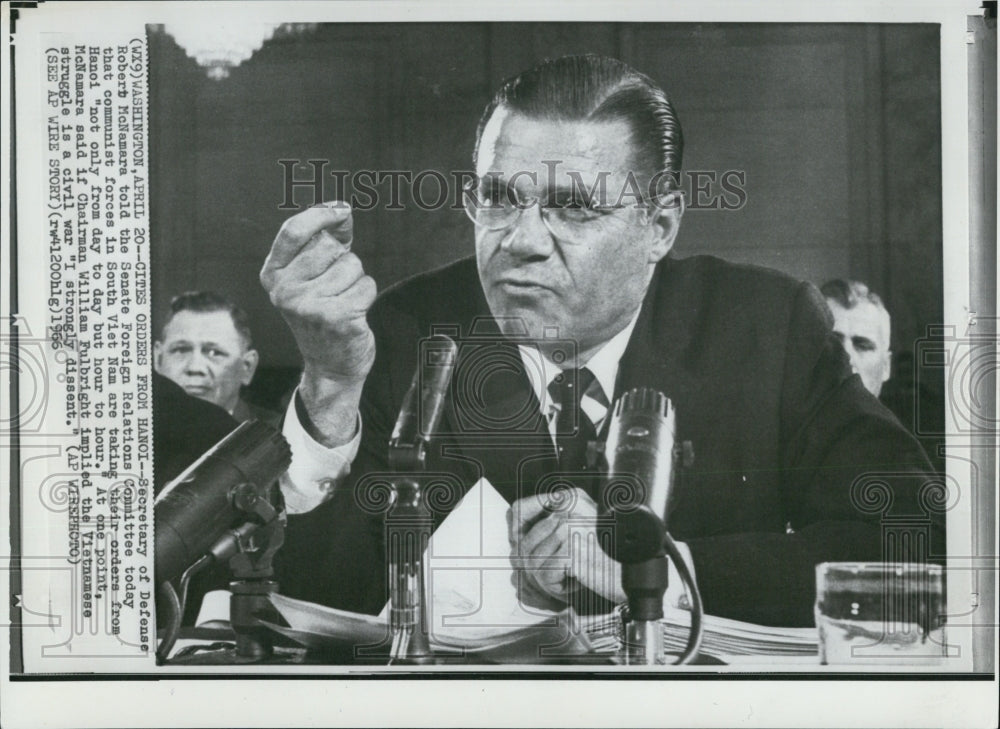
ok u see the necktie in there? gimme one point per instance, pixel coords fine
(574, 430)
(574, 433)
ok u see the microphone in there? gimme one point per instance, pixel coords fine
(641, 466)
(409, 524)
(223, 490)
(423, 404)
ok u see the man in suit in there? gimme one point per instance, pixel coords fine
(206, 347)
(571, 300)
(863, 326)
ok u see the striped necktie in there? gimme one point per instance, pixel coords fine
(574, 429)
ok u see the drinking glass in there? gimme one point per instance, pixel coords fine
(880, 613)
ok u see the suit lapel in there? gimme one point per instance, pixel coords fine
(666, 336)
(654, 355)
(494, 414)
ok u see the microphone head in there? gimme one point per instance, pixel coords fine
(423, 404)
(204, 502)
(639, 485)
(436, 368)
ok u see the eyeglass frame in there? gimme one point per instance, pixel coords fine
(472, 199)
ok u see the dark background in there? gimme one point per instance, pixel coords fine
(836, 126)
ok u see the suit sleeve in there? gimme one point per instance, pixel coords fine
(856, 487)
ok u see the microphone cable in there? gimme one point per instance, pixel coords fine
(696, 631)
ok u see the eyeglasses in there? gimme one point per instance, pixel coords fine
(496, 206)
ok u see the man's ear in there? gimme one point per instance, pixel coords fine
(250, 360)
(157, 356)
(887, 366)
(667, 211)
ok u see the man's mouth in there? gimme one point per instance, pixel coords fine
(197, 389)
(525, 285)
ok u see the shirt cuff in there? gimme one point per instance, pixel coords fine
(676, 596)
(315, 469)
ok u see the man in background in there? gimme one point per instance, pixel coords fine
(206, 347)
(863, 326)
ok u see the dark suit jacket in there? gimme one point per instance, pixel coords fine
(246, 410)
(781, 431)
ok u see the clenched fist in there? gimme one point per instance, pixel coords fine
(323, 293)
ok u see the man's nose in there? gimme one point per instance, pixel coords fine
(196, 363)
(529, 237)
(854, 357)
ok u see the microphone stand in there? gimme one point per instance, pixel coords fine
(645, 583)
(408, 523)
(408, 527)
(249, 552)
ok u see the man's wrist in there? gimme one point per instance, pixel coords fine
(316, 470)
(327, 407)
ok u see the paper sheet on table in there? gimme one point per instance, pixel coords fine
(472, 600)
(471, 591)
(471, 594)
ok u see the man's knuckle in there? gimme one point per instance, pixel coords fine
(295, 229)
(349, 266)
(368, 287)
(280, 293)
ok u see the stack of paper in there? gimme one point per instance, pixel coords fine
(722, 638)
(472, 604)
(563, 637)
(360, 637)
(473, 607)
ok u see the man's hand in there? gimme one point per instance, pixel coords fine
(555, 548)
(322, 292)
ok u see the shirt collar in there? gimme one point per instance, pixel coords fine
(604, 364)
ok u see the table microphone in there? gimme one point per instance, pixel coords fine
(423, 405)
(637, 493)
(217, 493)
(640, 453)
(408, 524)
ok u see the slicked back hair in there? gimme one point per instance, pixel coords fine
(849, 293)
(600, 89)
(209, 301)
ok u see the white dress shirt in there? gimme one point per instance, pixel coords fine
(315, 469)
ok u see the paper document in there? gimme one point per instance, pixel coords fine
(471, 590)
(473, 602)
